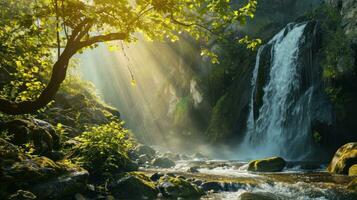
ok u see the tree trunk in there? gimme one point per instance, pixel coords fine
(59, 71)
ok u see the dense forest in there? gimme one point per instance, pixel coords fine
(178, 99)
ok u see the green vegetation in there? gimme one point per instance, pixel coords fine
(103, 149)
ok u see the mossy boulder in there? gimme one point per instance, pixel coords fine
(258, 196)
(352, 171)
(32, 169)
(175, 187)
(163, 162)
(344, 158)
(273, 164)
(133, 185)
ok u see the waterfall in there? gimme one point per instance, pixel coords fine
(280, 124)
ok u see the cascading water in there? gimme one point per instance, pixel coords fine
(280, 123)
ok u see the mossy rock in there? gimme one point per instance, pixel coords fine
(133, 185)
(273, 164)
(35, 169)
(175, 187)
(353, 170)
(258, 196)
(344, 158)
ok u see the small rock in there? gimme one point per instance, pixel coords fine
(193, 170)
(163, 162)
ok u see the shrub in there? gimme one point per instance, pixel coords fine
(103, 149)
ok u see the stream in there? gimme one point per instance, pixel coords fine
(229, 179)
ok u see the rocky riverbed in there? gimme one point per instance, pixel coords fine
(222, 179)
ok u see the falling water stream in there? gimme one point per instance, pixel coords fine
(282, 125)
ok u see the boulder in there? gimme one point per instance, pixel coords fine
(133, 185)
(174, 187)
(163, 162)
(258, 196)
(344, 158)
(273, 164)
(145, 150)
(63, 186)
(32, 170)
(353, 170)
(22, 195)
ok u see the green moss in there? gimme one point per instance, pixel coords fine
(177, 187)
(273, 164)
(133, 185)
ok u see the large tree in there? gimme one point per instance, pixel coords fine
(73, 25)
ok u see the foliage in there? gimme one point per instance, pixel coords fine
(25, 57)
(104, 148)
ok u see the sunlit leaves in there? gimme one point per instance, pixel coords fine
(251, 43)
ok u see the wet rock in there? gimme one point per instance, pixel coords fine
(353, 185)
(22, 195)
(163, 162)
(66, 185)
(175, 187)
(156, 176)
(258, 196)
(353, 170)
(344, 158)
(193, 170)
(145, 150)
(273, 164)
(212, 186)
(133, 185)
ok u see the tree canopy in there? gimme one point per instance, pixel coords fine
(31, 31)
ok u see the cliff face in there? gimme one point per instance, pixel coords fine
(348, 10)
